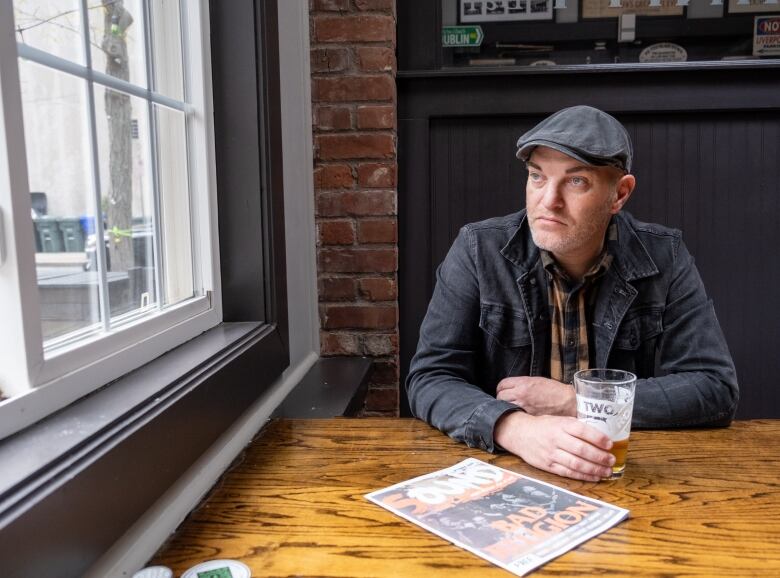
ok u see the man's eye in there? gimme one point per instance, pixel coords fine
(535, 177)
(578, 181)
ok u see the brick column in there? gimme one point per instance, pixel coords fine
(354, 106)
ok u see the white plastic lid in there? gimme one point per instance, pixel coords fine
(211, 569)
(154, 572)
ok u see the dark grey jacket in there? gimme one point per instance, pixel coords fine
(489, 319)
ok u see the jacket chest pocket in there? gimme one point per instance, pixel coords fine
(507, 342)
(635, 342)
(507, 327)
(638, 327)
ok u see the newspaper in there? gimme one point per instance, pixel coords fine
(511, 520)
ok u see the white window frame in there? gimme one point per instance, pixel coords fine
(41, 384)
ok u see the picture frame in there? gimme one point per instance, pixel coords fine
(751, 6)
(603, 9)
(504, 10)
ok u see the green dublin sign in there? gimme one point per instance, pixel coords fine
(452, 36)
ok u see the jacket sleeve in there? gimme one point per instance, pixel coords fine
(695, 383)
(441, 381)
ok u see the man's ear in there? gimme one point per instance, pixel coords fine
(624, 188)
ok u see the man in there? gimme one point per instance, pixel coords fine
(522, 302)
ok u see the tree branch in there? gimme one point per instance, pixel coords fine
(40, 21)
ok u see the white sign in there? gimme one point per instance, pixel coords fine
(663, 52)
(766, 35)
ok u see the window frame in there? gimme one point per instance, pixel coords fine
(40, 383)
(120, 449)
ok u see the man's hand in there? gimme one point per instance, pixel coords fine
(538, 395)
(561, 445)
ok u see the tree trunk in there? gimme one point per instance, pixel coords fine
(119, 206)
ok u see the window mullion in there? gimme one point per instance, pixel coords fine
(196, 216)
(159, 279)
(100, 245)
(52, 61)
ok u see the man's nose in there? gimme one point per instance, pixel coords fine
(551, 195)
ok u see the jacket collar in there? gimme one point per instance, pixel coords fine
(521, 249)
(630, 255)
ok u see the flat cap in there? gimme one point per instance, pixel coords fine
(585, 133)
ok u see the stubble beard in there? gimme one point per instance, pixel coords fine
(574, 238)
(590, 228)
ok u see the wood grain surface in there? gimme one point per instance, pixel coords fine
(703, 503)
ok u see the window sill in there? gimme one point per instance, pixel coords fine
(73, 483)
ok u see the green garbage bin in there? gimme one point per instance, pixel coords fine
(72, 234)
(48, 234)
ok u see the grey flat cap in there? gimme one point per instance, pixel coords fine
(585, 133)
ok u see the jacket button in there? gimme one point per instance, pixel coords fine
(533, 281)
(608, 325)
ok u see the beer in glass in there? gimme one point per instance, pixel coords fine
(605, 401)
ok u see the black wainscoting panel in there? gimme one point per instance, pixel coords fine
(414, 219)
(474, 174)
(711, 173)
(715, 176)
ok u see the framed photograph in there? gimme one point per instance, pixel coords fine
(505, 10)
(747, 6)
(609, 8)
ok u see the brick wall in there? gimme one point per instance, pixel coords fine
(354, 120)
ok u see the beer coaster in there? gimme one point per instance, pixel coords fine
(219, 569)
(154, 572)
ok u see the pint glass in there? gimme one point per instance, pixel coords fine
(605, 400)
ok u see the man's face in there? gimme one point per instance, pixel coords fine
(570, 204)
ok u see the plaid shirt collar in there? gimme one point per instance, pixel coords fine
(600, 267)
(569, 302)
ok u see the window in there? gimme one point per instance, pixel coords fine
(108, 194)
(185, 400)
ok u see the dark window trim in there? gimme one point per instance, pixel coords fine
(249, 161)
(73, 483)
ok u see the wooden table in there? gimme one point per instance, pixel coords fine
(703, 503)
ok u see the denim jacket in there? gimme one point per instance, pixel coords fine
(489, 319)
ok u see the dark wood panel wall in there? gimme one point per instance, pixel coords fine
(707, 156)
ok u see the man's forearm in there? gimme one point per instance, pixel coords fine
(461, 410)
(686, 399)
